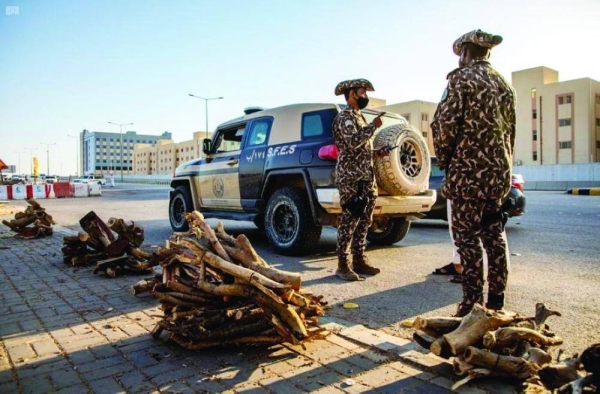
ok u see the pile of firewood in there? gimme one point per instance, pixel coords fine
(215, 290)
(506, 345)
(33, 223)
(113, 255)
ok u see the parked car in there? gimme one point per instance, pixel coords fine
(439, 210)
(51, 179)
(275, 167)
(92, 178)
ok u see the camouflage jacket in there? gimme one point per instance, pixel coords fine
(474, 133)
(352, 136)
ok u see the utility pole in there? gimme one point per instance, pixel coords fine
(48, 156)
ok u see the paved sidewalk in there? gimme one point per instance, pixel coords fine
(66, 330)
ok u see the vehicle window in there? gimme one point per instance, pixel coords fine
(318, 124)
(229, 140)
(259, 130)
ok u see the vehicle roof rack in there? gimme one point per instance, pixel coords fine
(251, 110)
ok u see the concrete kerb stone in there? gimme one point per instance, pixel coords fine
(592, 191)
(401, 358)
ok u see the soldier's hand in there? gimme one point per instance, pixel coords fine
(377, 121)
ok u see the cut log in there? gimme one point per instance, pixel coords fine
(97, 229)
(538, 356)
(143, 286)
(577, 386)
(132, 233)
(542, 314)
(515, 367)
(473, 327)
(209, 234)
(556, 375)
(509, 336)
(436, 326)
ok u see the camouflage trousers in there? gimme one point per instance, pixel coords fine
(471, 224)
(352, 232)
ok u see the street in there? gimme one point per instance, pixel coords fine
(555, 259)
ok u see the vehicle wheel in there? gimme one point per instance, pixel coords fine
(178, 206)
(289, 224)
(259, 221)
(388, 231)
(405, 171)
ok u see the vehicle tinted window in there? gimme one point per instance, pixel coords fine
(230, 140)
(259, 132)
(318, 124)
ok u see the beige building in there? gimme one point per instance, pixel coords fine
(557, 122)
(419, 114)
(166, 155)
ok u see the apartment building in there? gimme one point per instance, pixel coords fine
(557, 122)
(419, 114)
(103, 152)
(163, 157)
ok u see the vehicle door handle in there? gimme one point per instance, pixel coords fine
(232, 162)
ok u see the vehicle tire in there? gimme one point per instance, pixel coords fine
(388, 231)
(178, 206)
(289, 224)
(259, 221)
(405, 171)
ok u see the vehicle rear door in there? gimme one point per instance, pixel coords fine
(218, 176)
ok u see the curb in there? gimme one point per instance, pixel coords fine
(592, 191)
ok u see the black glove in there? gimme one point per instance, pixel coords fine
(384, 151)
(358, 203)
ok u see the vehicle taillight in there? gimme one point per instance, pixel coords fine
(328, 152)
(517, 184)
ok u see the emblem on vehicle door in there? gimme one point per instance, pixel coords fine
(218, 187)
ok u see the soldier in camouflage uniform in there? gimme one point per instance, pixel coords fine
(474, 133)
(355, 179)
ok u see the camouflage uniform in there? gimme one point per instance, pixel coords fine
(474, 132)
(352, 137)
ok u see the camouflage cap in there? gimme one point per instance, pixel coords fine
(476, 37)
(353, 83)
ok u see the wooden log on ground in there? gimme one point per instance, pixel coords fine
(132, 233)
(508, 336)
(473, 327)
(97, 229)
(143, 286)
(542, 313)
(436, 326)
(515, 367)
(556, 375)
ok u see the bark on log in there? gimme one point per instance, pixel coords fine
(132, 233)
(577, 386)
(537, 356)
(436, 326)
(542, 314)
(509, 336)
(97, 229)
(142, 286)
(250, 340)
(209, 234)
(473, 327)
(516, 367)
(556, 375)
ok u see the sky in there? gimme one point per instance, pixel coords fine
(66, 66)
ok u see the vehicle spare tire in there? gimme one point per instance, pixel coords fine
(405, 171)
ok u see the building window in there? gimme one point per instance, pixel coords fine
(534, 155)
(534, 134)
(597, 144)
(534, 113)
(564, 145)
(564, 122)
(533, 93)
(424, 117)
(569, 99)
(597, 99)
(597, 122)
(561, 100)
(424, 134)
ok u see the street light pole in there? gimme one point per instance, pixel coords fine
(77, 152)
(48, 156)
(121, 135)
(20, 169)
(206, 107)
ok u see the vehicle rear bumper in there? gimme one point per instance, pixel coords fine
(329, 199)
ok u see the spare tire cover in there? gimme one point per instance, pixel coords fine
(405, 171)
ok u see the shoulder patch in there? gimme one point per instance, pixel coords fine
(444, 95)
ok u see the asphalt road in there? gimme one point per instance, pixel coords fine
(555, 259)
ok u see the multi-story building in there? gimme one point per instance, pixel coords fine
(419, 114)
(163, 157)
(103, 152)
(557, 122)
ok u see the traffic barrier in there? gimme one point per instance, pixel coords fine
(38, 191)
(94, 190)
(62, 189)
(19, 192)
(4, 192)
(80, 189)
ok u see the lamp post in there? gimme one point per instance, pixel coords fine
(20, 169)
(206, 107)
(121, 135)
(48, 156)
(77, 152)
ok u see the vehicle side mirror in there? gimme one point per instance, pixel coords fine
(206, 146)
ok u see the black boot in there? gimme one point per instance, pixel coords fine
(495, 301)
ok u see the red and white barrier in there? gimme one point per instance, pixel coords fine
(55, 190)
